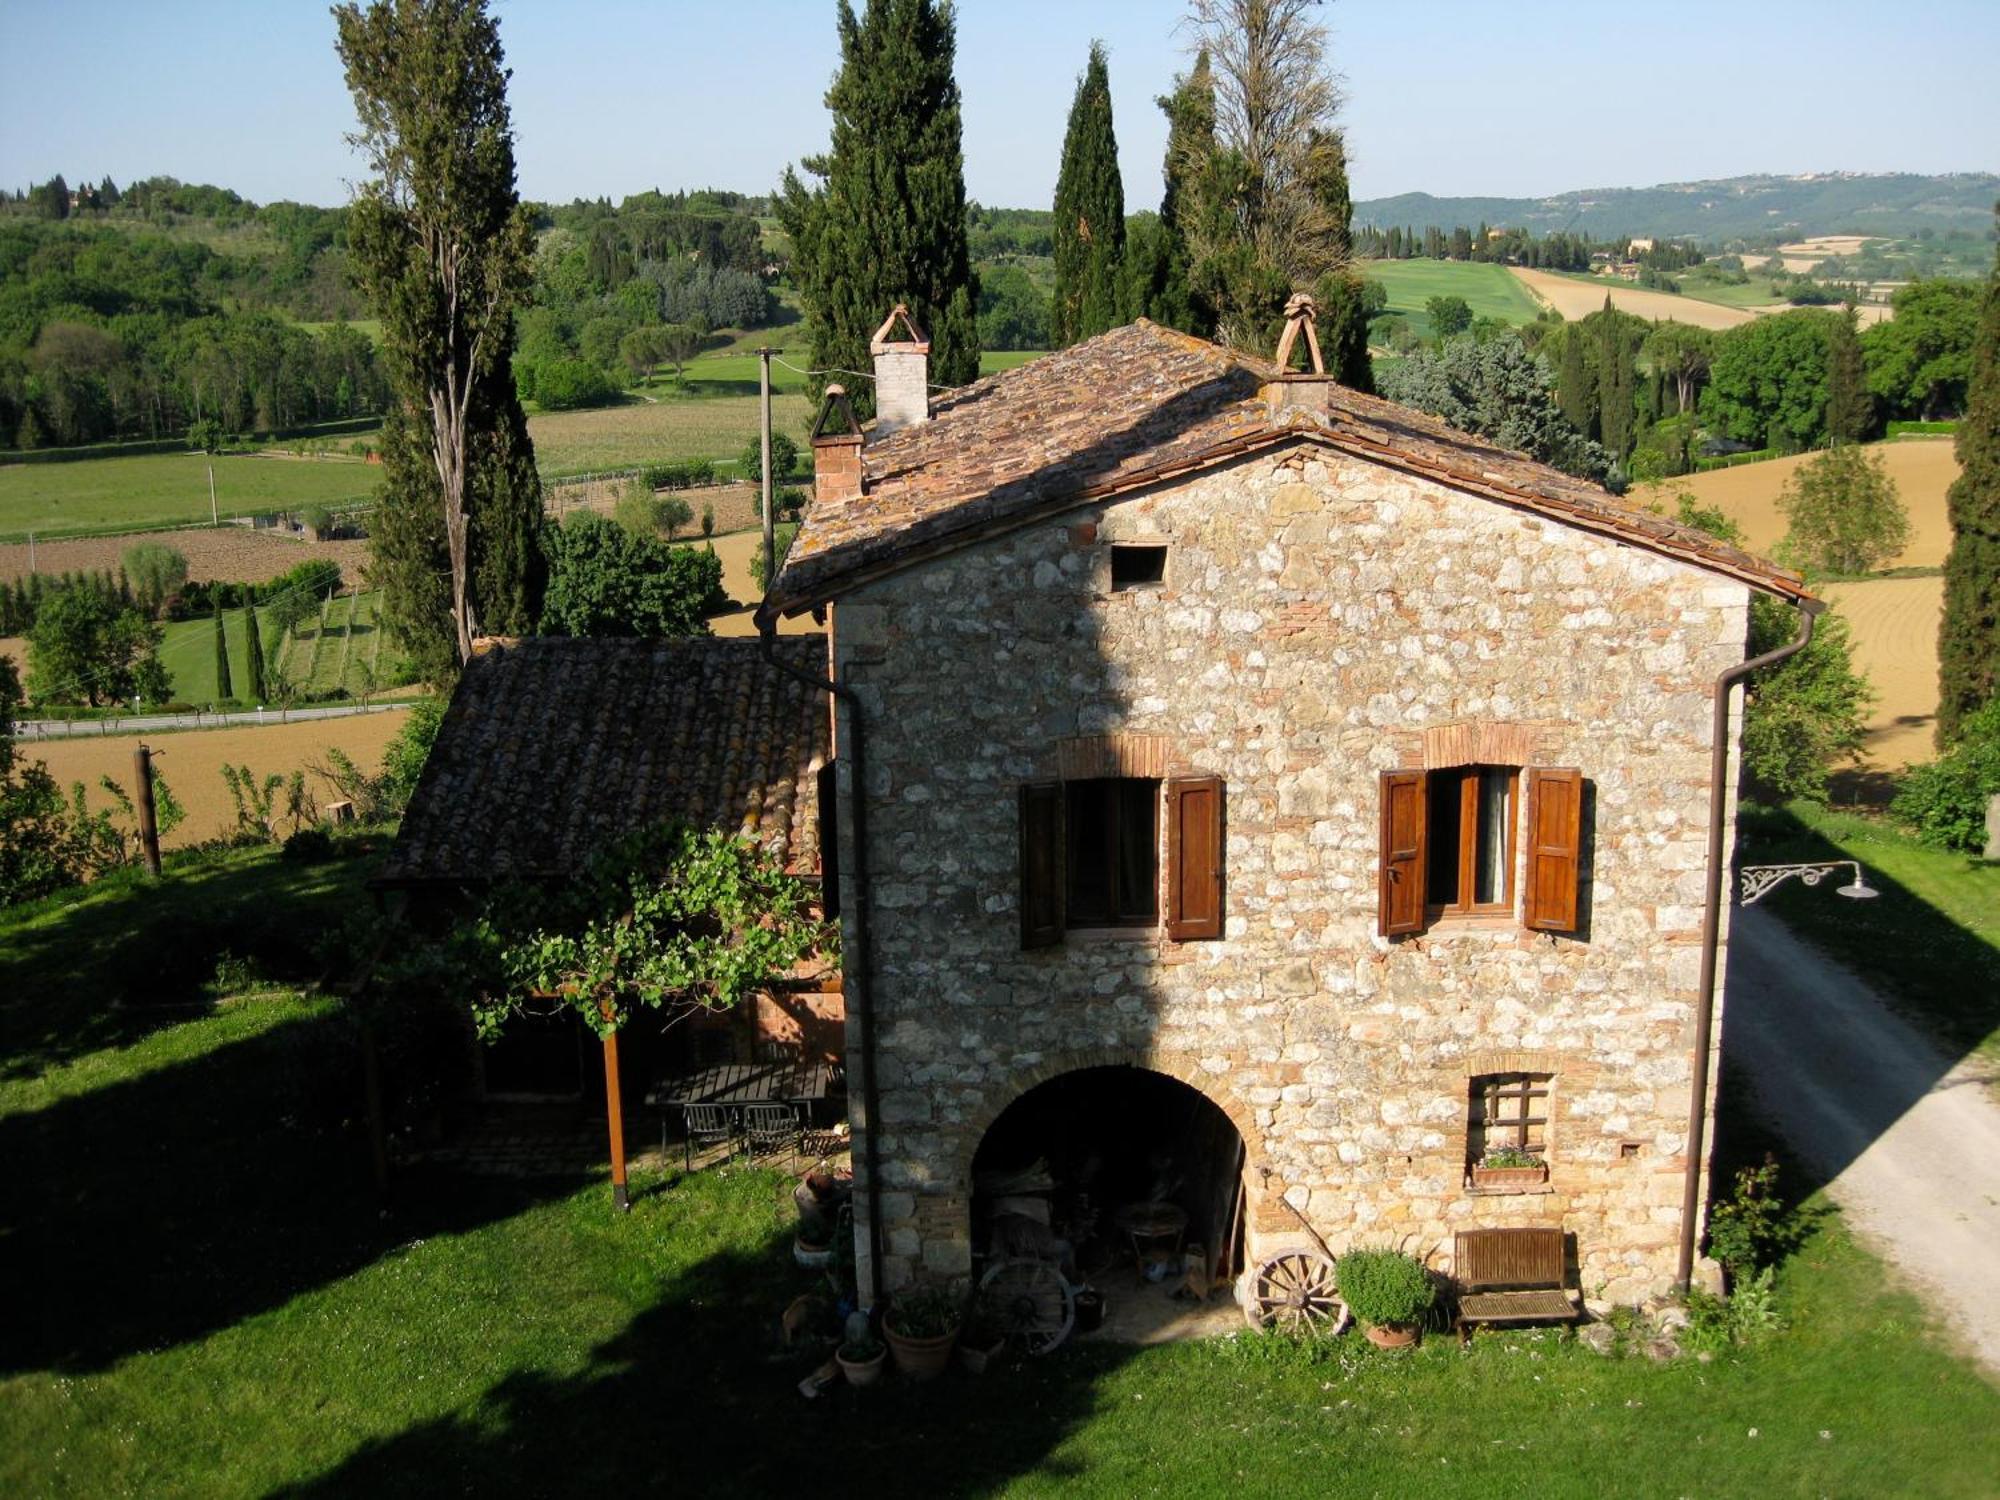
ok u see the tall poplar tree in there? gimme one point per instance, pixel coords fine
(443, 247)
(886, 222)
(224, 690)
(1089, 230)
(1969, 637)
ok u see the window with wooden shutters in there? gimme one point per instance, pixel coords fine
(1555, 848)
(1400, 906)
(1194, 858)
(1111, 852)
(1041, 865)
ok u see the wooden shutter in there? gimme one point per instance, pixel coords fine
(1400, 905)
(1194, 858)
(1555, 847)
(1042, 865)
(829, 841)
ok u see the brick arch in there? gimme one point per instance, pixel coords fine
(1180, 1066)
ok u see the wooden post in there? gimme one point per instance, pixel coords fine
(770, 521)
(149, 827)
(614, 1111)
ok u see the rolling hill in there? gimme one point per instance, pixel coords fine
(1813, 203)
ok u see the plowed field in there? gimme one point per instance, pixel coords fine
(1923, 470)
(192, 762)
(234, 553)
(1895, 625)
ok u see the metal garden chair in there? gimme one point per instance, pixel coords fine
(708, 1125)
(770, 1128)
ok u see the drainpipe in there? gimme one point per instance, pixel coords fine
(854, 940)
(1711, 928)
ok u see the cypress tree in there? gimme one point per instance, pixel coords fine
(223, 690)
(1576, 384)
(253, 647)
(1969, 636)
(444, 248)
(886, 223)
(1089, 230)
(1849, 411)
(1190, 110)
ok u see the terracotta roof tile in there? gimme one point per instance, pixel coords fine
(1140, 404)
(552, 747)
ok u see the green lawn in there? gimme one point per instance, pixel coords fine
(1930, 943)
(187, 651)
(165, 489)
(202, 1298)
(1754, 293)
(1489, 289)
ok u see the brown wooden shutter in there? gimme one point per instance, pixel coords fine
(1555, 847)
(1042, 865)
(1194, 858)
(1400, 905)
(829, 841)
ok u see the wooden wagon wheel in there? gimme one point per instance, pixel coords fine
(1030, 1301)
(1294, 1291)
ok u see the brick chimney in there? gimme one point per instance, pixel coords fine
(836, 446)
(902, 373)
(1299, 390)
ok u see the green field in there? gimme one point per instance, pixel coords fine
(1489, 290)
(99, 495)
(316, 665)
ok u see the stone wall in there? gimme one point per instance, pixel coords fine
(1322, 620)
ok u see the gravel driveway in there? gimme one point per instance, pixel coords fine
(1908, 1141)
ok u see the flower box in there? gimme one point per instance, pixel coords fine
(1510, 1179)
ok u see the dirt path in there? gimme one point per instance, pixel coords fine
(1909, 1143)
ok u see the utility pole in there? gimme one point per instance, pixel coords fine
(213, 518)
(149, 827)
(31, 544)
(770, 525)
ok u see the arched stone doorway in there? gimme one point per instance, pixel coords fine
(1127, 1174)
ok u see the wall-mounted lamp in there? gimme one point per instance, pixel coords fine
(1757, 879)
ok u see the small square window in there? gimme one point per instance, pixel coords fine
(1134, 566)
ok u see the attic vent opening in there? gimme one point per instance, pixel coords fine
(1137, 566)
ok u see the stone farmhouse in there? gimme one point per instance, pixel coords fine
(1252, 790)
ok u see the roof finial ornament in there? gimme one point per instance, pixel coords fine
(1299, 315)
(836, 415)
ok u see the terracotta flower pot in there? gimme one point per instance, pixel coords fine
(975, 1360)
(1393, 1335)
(861, 1371)
(1511, 1179)
(920, 1359)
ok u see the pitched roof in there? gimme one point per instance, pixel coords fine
(552, 747)
(1141, 404)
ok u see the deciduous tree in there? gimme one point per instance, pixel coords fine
(886, 221)
(603, 581)
(1969, 637)
(443, 247)
(1845, 514)
(1089, 227)
(87, 648)
(1270, 206)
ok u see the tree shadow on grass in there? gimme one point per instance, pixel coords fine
(125, 956)
(160, 1209)
(695, 1397)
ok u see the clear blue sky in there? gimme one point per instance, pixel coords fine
(1446, 96)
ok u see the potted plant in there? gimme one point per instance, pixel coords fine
(980, 1344)
(860, 1359)
(1388, 1291)
(922, 1325)
(1509, 1167)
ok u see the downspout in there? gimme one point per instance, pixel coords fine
(854, 940)
(1711, 927)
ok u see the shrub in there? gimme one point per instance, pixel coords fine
(157, 573)
(570, 384)
(318, 520)
(403, 760)
(684, 475)
(604, 582)
(1385, 1287)
(781, 539)
(784, 458)
(1944, 801)
(309, 846)
(1752, 1224)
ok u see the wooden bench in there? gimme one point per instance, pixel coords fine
(1510, 1276)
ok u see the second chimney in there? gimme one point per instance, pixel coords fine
(902, 373)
